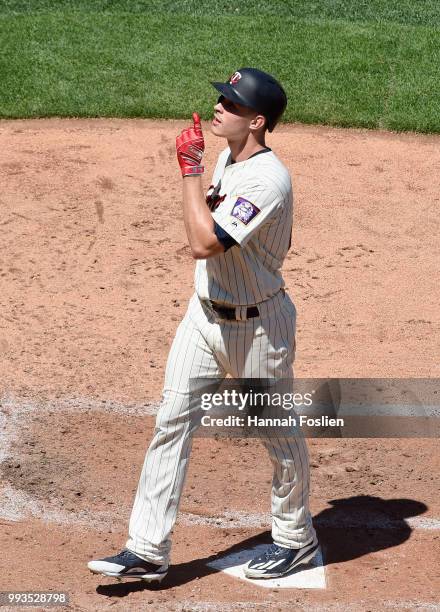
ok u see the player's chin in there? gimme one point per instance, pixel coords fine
(216, 128)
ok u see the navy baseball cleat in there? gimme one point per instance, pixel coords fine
(128, 565)
(277, 560)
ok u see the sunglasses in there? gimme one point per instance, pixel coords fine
(227, 104)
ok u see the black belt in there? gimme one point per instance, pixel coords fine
(224, 312)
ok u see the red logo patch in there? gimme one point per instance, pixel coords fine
(213, 197)
(235, 78)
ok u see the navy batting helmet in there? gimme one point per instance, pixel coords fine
(258, 90)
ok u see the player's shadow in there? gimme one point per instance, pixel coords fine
(350, 528)
(356, 526)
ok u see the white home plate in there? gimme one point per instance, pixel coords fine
(310, 576)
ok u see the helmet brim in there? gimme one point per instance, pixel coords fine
(230, 93)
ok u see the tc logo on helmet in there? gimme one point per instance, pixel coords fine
(235, 78)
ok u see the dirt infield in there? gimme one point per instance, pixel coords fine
(95, 274)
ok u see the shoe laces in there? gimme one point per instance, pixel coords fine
(273, 549)
(125, 553)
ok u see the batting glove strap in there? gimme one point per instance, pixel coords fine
(192, 170)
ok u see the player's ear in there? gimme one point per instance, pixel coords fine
(258, 123)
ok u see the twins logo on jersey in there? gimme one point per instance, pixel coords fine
(213, 197)
(244, 210)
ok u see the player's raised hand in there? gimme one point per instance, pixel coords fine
(190, 146)
(197, 124)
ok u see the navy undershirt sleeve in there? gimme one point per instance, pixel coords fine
(223, 237)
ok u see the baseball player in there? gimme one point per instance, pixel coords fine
(240, 321)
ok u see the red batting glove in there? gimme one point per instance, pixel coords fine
(190, 146)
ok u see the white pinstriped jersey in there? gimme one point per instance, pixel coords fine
(252, 201)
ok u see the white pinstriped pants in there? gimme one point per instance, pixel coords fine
(205, 347)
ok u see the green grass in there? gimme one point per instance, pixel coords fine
(369, 64)
(405, 12)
